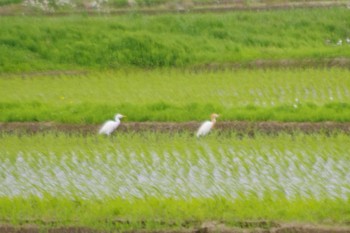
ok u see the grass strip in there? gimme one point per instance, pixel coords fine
(170, 40)
(163, 214)
(90, 113)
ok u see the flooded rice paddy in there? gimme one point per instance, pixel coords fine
(186, 168)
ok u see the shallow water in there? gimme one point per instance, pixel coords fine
(202, 173)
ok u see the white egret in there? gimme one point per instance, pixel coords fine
(109, 126)
(207, 125)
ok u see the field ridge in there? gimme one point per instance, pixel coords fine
(219, 8)
(247, 127)
(336, 62)
(207, 227)
(15, 9)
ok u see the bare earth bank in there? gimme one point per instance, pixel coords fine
(208, 227)
(240, 127)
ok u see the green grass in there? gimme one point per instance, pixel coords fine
(163, 214)
(296, 178)
(8, 2)
(171, 40)
(174, 95)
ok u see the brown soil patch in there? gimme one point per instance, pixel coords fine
(208, 227)
(340, 62)
(240, 127)
(280, 63)
(226, 6)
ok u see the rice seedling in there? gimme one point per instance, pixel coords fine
(95, 180)
(173, 95)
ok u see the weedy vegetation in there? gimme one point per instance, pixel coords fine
(170, 40)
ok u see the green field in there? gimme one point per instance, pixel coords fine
(174, 95)
(152, 178)
(169, 67)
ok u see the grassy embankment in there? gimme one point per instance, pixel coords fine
(160, 181)
(171, 40)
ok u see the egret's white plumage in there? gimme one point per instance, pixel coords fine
(109, 126)
(205, 128)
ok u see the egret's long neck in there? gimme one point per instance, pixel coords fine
(213, 120)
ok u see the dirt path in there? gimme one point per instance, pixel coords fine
(233, 6)
(243, 127)
(209, 227)
(339, 62)
(182, 7)
(280, 63)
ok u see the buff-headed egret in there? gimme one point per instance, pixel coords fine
(109, 126)
(205, 128)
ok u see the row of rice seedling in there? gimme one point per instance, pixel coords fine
(226, 171)
(229, 88)
(198, 168)
(174, 95)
